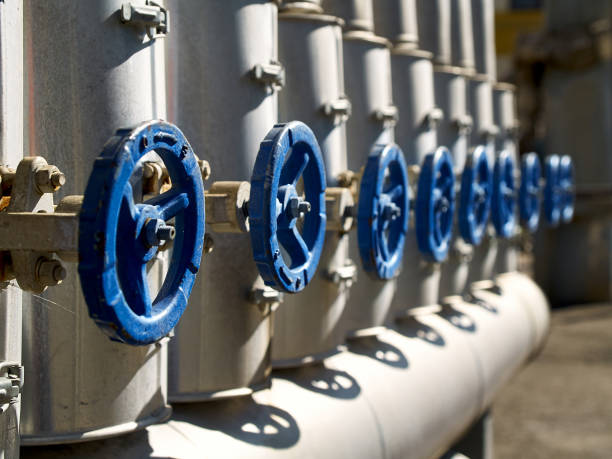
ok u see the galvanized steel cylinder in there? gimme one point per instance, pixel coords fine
(453, 133)
(484, 131)
(483, 15)
(504, 108)
(435, 29)
(356, 14)
(11, 152)
(88, 75)
(413, 93)
(462, 35)
(221, 347)
(367, 64)
(396, 20)
(307, 326)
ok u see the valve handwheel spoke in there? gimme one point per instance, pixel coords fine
(383, 212)
(289, 152)
(504, 197)
(118, 237)
(169, 203)
(529, 200)
(435, 205)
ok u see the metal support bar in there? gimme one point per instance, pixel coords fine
(46, 232)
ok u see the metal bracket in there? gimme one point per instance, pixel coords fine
(433, 118)
(31, 204)
(11, 381)
(154, 17)
(340, 209)
(463, 124)
(344, 274)
(388, 115)
(266, 298)
(339, 109)
(489, 132)
(227, 207)
(271, 74)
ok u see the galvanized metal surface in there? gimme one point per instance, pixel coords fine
(88, 75)
(356, 14)
(480, 103)
(308, 325)
(396, 20)
(416, 134)
(368, 62)
(365, 394)
(483, 23)
(435, 20)
(11, 151)
(225, 112)
(462, 35)
(506, 119)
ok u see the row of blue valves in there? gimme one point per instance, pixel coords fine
(287, 217)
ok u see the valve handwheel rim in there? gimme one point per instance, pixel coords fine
(435, 206)
(286, 255)
(475, 196)
(384, 211)
(531, 174)
(503, 200)
(117, 237)
(566, 179)
(552, 196)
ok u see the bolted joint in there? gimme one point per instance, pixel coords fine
(209, 244)
(205, 169)
(340, 209)
(49, 179)
(158, 233)
(50, 272)
(298, 208)
(391, 211)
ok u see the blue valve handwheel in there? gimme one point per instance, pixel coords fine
(529, 192)
(552, 195)
(435, 205)
(286, 255)
(503, 199)
(117, 237)
(475, 196)
(384, 211)
(566, 179)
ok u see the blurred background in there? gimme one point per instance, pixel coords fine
(557, 52)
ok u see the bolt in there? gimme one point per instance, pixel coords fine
(443, 204)
(50, 272)
(166, 233)
(157, 232)
(298, 208)
(58, 179)
(49, 179)
(205, 169)
(391, 211)
(209, 243)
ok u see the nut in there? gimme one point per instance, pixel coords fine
(50, 272)
(49, 179)
(205, 169)
(209, 244)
